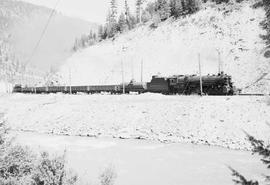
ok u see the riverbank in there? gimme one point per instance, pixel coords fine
(146, 162)
(210, 120)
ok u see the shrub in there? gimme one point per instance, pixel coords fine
(19, 166)
(53, 171)
(107, 177)
(259, 148)
(17, 162)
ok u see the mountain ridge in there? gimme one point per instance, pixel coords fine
(22, 23)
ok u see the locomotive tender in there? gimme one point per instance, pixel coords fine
(220, 84)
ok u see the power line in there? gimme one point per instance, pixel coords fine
(43, 32)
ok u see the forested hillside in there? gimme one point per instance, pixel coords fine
(234, 32)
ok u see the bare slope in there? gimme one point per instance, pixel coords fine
(173, 48)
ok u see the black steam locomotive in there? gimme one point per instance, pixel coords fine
(220, 84)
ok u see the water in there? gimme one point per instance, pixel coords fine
(140, 162)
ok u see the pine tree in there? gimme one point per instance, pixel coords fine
(111, 25)
(267, 10)
(261, 149)
(146, 16)
(76, 45)
(150, 8)
(127, 14)
(105, 32)
(192, 6)
(185, 7)
(139, 10)
(100, 32)
(176, 8)
(94, 36)
(241, 179)
(122, 25)
(132, 21)
(90, 36)
(163, 8)
(113, 16)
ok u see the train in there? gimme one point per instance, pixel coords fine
(219, 84)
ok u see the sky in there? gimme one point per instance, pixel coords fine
(90, 10)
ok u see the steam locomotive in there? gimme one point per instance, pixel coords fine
(220, 84)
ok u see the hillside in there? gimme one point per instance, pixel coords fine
(22, 24)
(173, 48)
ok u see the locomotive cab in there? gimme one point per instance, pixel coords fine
(158, 85)
(17, 88)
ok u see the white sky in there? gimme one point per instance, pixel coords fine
(90, 10)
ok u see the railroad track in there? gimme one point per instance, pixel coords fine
(248, 94)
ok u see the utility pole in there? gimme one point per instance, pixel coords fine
(142, 71)
(200, 71)
(140, 15)
(70, 91)
(123, 81)
(132, 71)
(219, 62)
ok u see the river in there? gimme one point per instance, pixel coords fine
(142, 162)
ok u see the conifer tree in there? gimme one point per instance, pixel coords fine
(192, 6)
(113, 16)
(100, 32)
(132, 21)
(267, 10)
(127, 14)
(111, 26)
(261, 149)
(176, 8)
(94, 36)
(122, 25)
(150, 8)
(139, 10)
(163, 8)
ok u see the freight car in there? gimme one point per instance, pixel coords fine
(69, 89)
(91, 89)
(220, 84)
(134, 87)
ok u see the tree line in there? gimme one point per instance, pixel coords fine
(157, 11)
(265, 24)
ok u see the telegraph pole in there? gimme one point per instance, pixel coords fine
(132, 71)
(70, 91)
(201, 87)
(142, 71)
(219, 62)
(123, 81)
